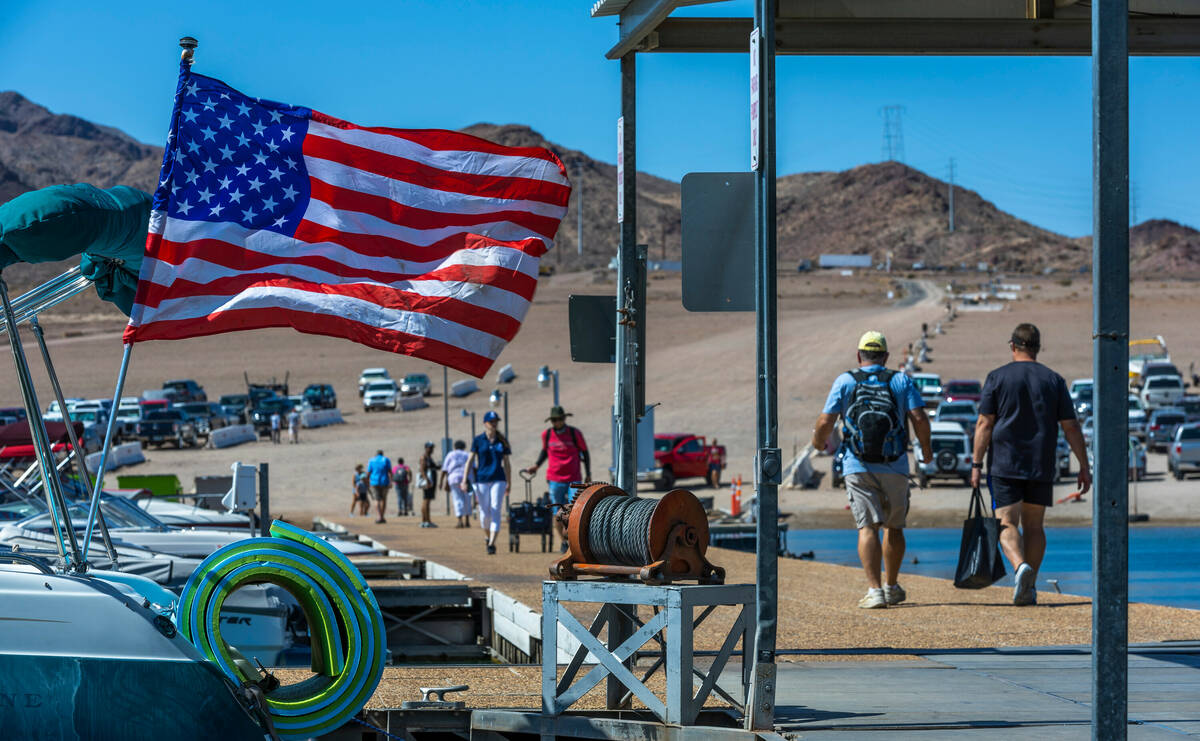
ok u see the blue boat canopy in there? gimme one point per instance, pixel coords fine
(106, 227)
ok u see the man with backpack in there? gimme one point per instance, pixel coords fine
(565, 448)
(875, 403)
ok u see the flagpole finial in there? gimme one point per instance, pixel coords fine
(189, 45)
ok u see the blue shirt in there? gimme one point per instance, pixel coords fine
(379, 471)
(489, 458)
(907, 398)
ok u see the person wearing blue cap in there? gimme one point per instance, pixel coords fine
(493, 476)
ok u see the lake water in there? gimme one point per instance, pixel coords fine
(1164, 562)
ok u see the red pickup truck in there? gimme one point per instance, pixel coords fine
(680, 456)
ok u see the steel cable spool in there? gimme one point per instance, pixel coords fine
(344, 623)
(613, 535)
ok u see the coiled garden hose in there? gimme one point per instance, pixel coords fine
(344, 624)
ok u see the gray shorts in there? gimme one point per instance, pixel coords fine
(878, 499)
(379, 492)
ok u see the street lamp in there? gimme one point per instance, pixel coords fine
(470, 414)
(495, 400)
(545, 375)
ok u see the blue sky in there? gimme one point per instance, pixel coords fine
(1019, 129)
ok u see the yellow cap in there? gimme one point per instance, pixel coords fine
(873, 342)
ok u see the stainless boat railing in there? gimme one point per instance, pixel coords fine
(51, 293)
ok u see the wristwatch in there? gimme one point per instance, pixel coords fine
(977, 465)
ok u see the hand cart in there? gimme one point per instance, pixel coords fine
(530, 518)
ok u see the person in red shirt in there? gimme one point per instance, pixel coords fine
(565, 449)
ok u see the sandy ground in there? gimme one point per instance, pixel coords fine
(700, 372)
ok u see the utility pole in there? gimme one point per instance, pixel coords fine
(951, 194)
(893, 133)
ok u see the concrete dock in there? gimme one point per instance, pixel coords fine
(947, 661)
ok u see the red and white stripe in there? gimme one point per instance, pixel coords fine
(425, 243)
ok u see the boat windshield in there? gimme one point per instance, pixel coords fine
(118, 513)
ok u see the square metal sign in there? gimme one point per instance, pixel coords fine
(593, 324)
(718, 241)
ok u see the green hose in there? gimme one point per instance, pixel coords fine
(344, 624)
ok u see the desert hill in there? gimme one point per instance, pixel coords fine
(870, 209)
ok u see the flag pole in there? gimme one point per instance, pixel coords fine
(108, 437)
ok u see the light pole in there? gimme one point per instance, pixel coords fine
(470, 414)
(495, 400)
(545, 375)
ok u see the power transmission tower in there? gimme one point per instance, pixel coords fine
(893, 133)
(950, 179)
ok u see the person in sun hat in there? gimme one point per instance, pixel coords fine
(492, 476)
(565, 449)
(874, 403)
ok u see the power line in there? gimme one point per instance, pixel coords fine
(893, 133)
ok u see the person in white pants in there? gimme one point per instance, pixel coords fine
(456, 483)
(492, 476)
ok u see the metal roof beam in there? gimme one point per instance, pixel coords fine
(966, 37)
(639, 19)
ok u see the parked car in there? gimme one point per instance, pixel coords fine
(383, 394)
(200, 414)
(1191, 407)
(930, 386)
(260, 417)
(237, 406)
(162, 426)
(1082, 401)
(1160, 427)
(18, 412)
(1136, 465)
(1161, 391)
(962, 390)
(1081, 384)
(186, 390)
(1137, 417)
(129, 413)
(951, 454)
(682, 455)
(964, 413)
(1143, 352)
(321, 396)
(1062, 457)
(1159, 368)
(836, 475)
(1183, 454)
(415, 383)
(1088, 428)
(371, 375)
(299, 403)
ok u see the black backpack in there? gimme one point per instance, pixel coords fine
(872, 425)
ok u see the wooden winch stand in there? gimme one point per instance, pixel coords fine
(677, 535)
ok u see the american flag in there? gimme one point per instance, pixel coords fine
(422, 242)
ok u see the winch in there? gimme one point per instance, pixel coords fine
(611, 534)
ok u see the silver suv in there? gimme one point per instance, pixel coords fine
(951, 454)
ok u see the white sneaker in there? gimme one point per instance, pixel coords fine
(894, 595)
(1023, 586)
(873, 600)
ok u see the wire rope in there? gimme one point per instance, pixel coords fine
(619, 530)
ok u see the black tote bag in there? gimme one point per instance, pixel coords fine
(979, 562)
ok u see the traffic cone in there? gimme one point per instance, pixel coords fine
(735, 498)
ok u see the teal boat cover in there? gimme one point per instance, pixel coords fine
(107, 227)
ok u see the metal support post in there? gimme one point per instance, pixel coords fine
(85, 475)
(555, 388)
(1110, 276)
(620, 627)
(94, 509)
(264, 500)
(760, 713)
(41, 442)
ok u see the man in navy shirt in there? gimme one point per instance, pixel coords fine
(878, 491)
(1022, 406)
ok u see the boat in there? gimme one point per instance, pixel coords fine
(94, 643)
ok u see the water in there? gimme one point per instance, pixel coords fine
(1164, 562)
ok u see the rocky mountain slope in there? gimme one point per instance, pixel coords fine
(870, 209)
